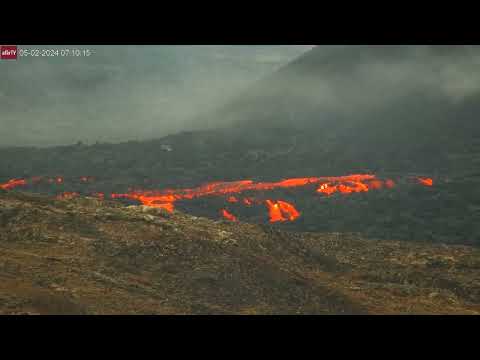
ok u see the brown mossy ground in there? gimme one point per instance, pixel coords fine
(84, 256)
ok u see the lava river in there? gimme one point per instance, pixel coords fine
(278, 210)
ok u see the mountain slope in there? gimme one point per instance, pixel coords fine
(394, 108)
(85, 256)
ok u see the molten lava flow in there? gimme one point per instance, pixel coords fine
(162, 201)
(281, 211)
(10, 184)
(425, 181)
(274, 211)
(353, 186)
(67, 195)
(224, 188)
(227, 215)
(327, 189)
(288, 210)
(329, 185)
(278, 210)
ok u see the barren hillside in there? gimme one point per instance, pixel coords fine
(85, 256)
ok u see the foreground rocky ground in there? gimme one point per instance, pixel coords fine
(84, 256)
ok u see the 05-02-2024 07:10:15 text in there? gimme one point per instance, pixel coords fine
(54, 52)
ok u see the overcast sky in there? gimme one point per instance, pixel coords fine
(121, 93)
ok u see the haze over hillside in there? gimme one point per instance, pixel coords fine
(357, 81)
(121, 93)
(392, 108)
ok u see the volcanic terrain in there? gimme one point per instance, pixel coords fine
(330, 190)
(283, 127)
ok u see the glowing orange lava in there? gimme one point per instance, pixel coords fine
(274, 211)
(288, 210)
(425, 181)
(224, 188)
(10, 184)
(353, 186)
(67, 195)
(228, 215)
(163, 202)
(281, 211)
